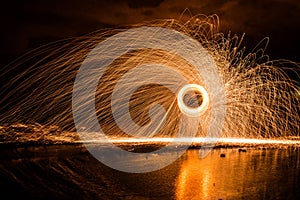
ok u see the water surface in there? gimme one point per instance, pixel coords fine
(69, 172)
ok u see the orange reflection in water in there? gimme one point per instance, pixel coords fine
(195, 180)
(254, 174)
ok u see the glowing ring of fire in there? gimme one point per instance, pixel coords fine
(193, 112)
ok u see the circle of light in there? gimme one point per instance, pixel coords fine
(84, 90)
(194, 112)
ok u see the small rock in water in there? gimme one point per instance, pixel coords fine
(222, 155)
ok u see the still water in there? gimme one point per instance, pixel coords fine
(70, 172)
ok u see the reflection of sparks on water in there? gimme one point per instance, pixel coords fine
(194, 177)
(199, 140)
(251, 175)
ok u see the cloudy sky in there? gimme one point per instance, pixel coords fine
(29, 24)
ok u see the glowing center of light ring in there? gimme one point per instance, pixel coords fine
(194, 112)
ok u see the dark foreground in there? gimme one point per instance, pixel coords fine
(70, 172)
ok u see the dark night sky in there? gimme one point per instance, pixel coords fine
(29, 24)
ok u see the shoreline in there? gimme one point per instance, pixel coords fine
(149, 145)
